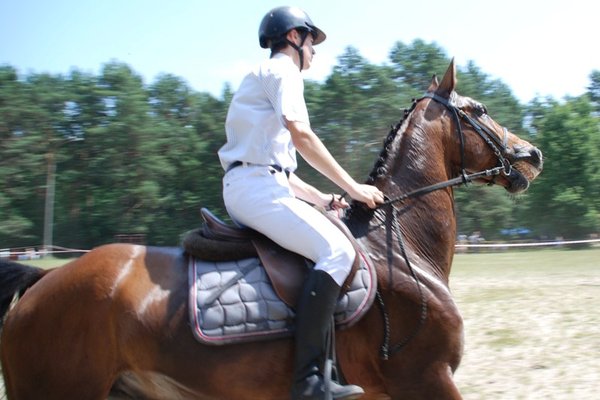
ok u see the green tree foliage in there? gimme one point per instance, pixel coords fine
(16, 164)
(594, 89)
(352, 112)
(414, 65)
(147, 158)
(489, 210)
(566, 200)
(32, 126)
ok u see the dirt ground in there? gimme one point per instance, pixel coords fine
(530, 332)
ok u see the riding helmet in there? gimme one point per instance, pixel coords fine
(280, 20)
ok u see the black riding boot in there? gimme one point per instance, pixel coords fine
(313, 320)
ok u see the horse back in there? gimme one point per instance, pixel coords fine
(109, 306)
(135, 279)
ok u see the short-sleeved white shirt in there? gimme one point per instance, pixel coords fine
(256, 121)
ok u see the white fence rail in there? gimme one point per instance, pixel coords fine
(30, 253)
(555, 243)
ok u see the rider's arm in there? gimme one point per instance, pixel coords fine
(316, 154)
(311, 194)
(307, 192)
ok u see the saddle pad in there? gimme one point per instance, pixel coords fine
(233, 301)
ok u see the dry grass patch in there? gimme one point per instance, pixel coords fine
(532, 326)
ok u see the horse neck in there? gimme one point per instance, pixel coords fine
(413, 158)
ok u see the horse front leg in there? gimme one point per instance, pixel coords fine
(439, 384)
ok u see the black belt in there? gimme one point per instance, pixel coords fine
(276, 167)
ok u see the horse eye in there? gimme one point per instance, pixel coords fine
(481, 110)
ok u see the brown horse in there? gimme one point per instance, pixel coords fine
(114, 323)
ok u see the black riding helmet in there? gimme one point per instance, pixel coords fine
(279, 21)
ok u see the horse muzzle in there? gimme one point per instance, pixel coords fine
(527, 162)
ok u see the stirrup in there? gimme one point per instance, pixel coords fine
(313, 387)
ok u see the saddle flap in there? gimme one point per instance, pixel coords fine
(284, 268)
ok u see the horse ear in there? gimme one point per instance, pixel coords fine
(448, 81)
(434, 84)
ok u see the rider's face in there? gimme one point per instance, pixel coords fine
(308, 51)
(307, 47)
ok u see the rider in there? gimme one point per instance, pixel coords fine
(266, 124)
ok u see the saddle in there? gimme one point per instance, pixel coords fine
(218, 241)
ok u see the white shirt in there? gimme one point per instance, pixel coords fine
(256, 121)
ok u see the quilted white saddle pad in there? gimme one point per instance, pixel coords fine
(232, 302)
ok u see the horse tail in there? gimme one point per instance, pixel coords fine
(15, 279)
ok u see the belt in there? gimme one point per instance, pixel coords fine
(238, 163)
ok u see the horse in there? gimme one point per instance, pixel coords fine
(114, 322)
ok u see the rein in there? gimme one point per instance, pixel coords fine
(504, 167)
(461, 180)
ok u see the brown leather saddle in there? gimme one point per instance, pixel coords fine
(218, 241)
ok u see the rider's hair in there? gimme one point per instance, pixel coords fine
(276, 45)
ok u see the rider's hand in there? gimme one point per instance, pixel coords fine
(367, 194)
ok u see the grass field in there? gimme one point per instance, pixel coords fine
(532, 325)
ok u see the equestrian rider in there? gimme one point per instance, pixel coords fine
(266, 124)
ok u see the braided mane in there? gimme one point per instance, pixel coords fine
(379, 168)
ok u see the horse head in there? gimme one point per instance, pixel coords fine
(483, 144)
(443, 140)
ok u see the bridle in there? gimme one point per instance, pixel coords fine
(499, 148)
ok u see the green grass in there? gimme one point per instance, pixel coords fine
(47, 262)
(534, 261)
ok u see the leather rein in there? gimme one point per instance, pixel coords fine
(499, 147)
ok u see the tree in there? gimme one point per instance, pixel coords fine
(33, 128)
(413, 65)
(567, 193)
(113, 189)
(594, 89)
(352, 113)
(499, 100)
(148, 160)
(482, 209)
(17, 164)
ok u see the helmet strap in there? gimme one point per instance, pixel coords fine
(299, 49)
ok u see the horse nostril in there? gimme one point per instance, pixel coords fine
(528, 153)
(536, 157)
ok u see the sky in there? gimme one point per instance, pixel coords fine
(536, 47)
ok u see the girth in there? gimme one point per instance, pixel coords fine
(218, 241)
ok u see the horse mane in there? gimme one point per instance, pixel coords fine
(358, 211)
(379, 168)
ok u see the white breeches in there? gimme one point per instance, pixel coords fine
(260, 198)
